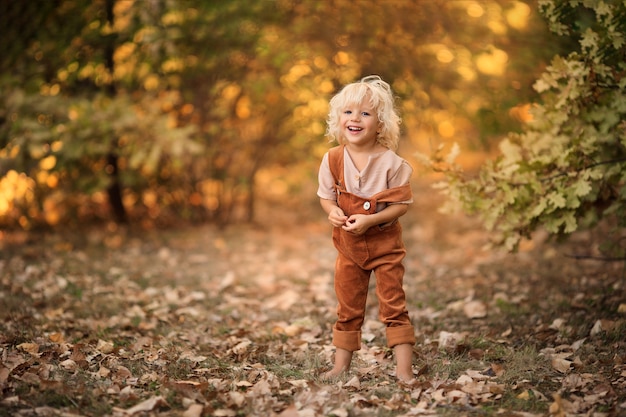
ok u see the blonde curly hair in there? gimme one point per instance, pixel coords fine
(379, 93)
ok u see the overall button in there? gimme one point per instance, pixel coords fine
(367, 205)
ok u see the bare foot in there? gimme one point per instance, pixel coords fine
(405, 379)
(343, 358)
(411, 383)
(332, 374)
(404, 359)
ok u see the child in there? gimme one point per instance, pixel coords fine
(364, 188)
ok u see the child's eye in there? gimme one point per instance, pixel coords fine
(347, 112)
(365, 113)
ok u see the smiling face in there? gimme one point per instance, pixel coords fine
(359, 124)
(373, 96)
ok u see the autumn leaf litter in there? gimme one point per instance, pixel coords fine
(200, 322)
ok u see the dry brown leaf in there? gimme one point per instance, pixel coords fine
(478, 375)
(475, 309)
(497, 369)
(497, 388)
(29, 378)
(103, 372)
(194, 410)
(262, 388)
(4, 375)
(472, 387)
(353, 383)
(241, 347)
(147, 405)
(561, 365)
(224, 412)
(339, 412)
(450, 339)
(290, 411)
(556, 408)
(299, 383)
(122, 373)
(236, 398)
(284, 300)
(57, 338)
(127, 394)
(10, 401)
(601, 326)
(292, 330)
(69, 365)
(455, 396)
(105, 347)
(31, 348)
(507, 332)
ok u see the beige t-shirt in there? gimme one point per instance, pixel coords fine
(384, 170)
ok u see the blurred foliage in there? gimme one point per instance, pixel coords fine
(194, 110)
(567, 170)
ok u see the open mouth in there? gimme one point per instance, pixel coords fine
(354, 129)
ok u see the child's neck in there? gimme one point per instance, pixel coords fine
(366, 149)
(360, 154)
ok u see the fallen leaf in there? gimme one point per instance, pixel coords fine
(577, 344)
(223, 412)
(456, 395)
(194, 410)
(31, 348)
(104, 372)
(147, 405)
(339, 412)
(450, 339)
(68, 365)
(237, 398)
(475, 309)
(299, 383)
(290, 411)
(602, 326)
(561, 365)
(57, 338)
(105, 347)
(353, 383)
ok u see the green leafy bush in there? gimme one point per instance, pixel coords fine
(567, 170)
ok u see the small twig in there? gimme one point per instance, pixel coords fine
(595, 164)
(597, 258)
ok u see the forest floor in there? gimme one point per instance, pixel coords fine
(197, 321)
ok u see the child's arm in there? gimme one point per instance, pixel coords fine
(336, 215)
(359, 223)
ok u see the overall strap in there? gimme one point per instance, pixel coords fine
(394, 195)
(335, 161)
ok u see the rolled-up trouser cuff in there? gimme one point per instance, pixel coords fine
(399, 335)
(347, 340)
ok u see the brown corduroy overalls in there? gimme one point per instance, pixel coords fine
(380, 250)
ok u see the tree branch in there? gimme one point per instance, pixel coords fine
(562, 174)
(598, 258)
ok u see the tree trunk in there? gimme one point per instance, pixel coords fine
(114, 191)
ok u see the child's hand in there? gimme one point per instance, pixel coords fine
(357, 224)
(336, 217)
